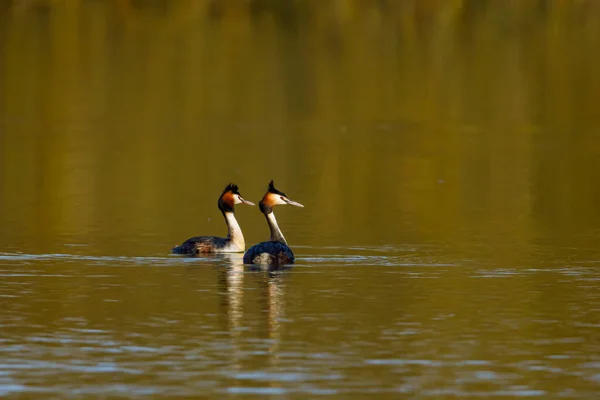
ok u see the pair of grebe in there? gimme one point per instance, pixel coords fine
(273, 251)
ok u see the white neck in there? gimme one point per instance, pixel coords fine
(276, 235)
(234, 232)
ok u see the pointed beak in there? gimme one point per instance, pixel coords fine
(246, 201)
(292, 202)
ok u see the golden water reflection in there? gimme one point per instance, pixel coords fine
(122, 120)
(446, 153)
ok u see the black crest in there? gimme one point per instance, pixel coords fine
(223, 206)
(272, 189)
(232, 187)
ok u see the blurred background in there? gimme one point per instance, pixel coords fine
(446, 151)
(392, 121)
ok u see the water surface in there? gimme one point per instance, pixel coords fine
(446, 154)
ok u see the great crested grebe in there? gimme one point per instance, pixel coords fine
(234, 242)
(276, 250)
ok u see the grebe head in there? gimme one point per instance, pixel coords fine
(274, 197)
(230, 197)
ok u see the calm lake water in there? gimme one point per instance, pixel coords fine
(447, 156)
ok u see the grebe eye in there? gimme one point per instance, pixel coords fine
(281, 197)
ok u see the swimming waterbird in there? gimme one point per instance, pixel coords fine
(275, 250)
(233, 243)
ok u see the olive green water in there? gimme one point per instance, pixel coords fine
(447, 154)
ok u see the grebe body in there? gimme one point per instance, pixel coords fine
(233, 243)
(275, 251)
(270, 252)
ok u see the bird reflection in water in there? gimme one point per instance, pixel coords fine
(268, 279)
(231, 290)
